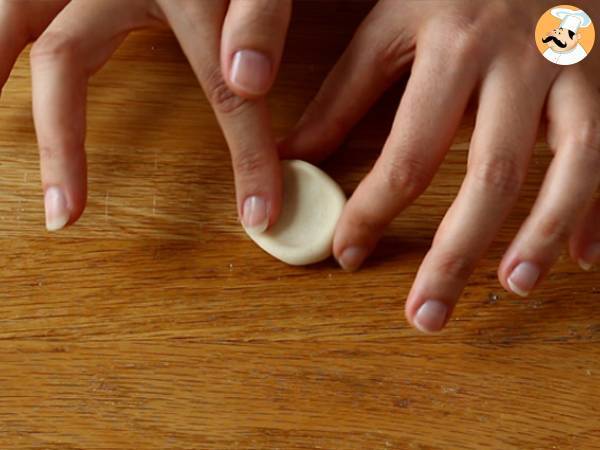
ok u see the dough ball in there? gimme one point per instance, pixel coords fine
(312, 205)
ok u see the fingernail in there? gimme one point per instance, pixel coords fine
(523, 278)
(590, 257)
(254, 215)
(352, 258)
(431, 316)
(57, 211)
(251, 71)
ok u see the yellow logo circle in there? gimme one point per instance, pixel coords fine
(565, 35)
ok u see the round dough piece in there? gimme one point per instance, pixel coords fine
(312, 205)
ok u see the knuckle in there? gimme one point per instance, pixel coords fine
(189, 12)
(53, 45)
(69, 147)
(368, 225)
(554, 229)
(390, 55)
(498, 175)
(455, 266)
(223, 99)
(587, 135)
(407, 176)
(502, 10)
(248, 162)
(47, 153)
(466, 45)
(461, 38)
(52, 153)
(262, 12)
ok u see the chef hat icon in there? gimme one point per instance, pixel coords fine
(572, 19)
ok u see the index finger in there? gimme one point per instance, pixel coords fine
(252, 44)
(246, 124)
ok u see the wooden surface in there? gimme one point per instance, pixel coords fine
(156, 324)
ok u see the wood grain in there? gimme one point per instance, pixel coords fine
(154, 323)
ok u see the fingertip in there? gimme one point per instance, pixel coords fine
(349, 252)
(354, 240)
(250, 73)
(429, 317)
(585, 266)
(61, 209)
(352, 257)
(57, 210)
(584, 244)
(524, 277)
(590, 257)
(260, 198)
(79, 205)
(503, 272)
(253, 38)
(256, 214)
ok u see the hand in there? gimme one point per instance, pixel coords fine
(458, 48)
(234, 47)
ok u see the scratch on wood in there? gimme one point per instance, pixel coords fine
(154, 205)
(106, 207)
(25, 178)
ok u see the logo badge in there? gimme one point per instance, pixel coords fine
(565, 35)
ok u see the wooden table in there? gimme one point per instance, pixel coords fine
(154, 323)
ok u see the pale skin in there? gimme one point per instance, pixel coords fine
(455, 49)
(233, 46)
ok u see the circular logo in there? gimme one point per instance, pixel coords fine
(565, 35)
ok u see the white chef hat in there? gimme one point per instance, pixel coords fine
(572, 19)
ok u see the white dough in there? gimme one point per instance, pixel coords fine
(312, 205)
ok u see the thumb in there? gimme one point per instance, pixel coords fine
(252, 43)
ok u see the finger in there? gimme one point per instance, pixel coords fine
(71, 49)
(503, 140)
(20, 22)
(252, 43)
(426, 121)
(568, 189)
(380, 51)
(585, 242)
(246, 124)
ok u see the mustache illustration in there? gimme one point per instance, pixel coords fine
(556, 41)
